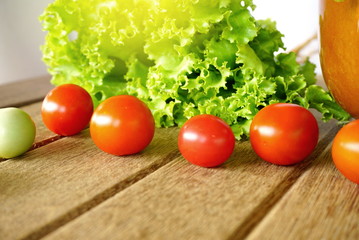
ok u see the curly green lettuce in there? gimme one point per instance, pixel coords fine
(181, 57)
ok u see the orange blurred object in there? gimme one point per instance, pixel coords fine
(339, 39)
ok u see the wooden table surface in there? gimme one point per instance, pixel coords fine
(66, 188)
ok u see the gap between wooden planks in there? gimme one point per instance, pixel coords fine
(322, 204)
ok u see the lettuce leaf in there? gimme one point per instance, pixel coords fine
(181, 57)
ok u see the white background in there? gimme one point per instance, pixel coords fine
(21, 35)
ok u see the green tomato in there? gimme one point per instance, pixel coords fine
(17, 132)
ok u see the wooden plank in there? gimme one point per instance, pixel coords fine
(321, 205)
(24, 92)
(51, 185)
(183, 201)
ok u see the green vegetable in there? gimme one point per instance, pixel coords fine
(17, 132)
(181, 57)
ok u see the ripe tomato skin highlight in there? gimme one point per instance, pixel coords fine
(67, 109)
(283, 133)
(345, 151)
(122, 125)
(206, 140)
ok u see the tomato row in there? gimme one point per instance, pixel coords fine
(281, 133)
(121, 125)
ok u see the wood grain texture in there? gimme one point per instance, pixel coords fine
(322, 204)
(184, 201)
(51, 185)
(24, 92)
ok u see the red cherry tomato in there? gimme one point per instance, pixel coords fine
(122, 125)
(67, 109)
(206, 141)
(345, 151)
(284, 133)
